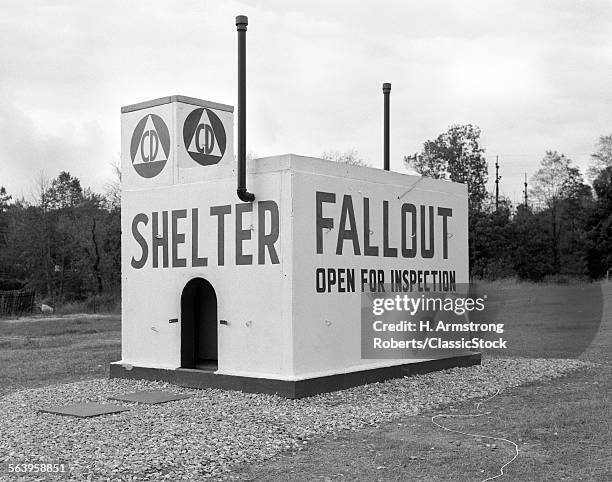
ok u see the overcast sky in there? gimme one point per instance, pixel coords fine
(534, 75)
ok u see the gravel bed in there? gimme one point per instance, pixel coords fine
(215, 430)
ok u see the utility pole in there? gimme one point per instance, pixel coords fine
(497, 178)
(525, 191)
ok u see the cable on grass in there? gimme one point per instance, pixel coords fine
(480, 414)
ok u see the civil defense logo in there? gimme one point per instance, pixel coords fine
(204, 137)
(150, 146)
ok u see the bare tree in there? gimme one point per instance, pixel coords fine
(40, 195)
(113, 188)
(602, 157)
(40, 190)
(350, 156)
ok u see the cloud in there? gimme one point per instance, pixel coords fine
(532, 75)
(29, 148)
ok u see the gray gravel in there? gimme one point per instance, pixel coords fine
(206, 435)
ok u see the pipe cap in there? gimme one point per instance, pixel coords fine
(386, 87)
(242, 20)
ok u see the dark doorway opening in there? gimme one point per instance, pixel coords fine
(199, 325)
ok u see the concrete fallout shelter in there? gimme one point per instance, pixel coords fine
(265, 295)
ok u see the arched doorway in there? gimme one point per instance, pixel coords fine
(199, 325)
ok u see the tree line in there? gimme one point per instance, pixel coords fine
(564, 228)
(65, 243)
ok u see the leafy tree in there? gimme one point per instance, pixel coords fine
(351, 157)
(576, 207)
(492, 241)
(564, 199)
(63, 198)
(602, 157)
(455, 155)
(27, 254)
(110, 235)
(5, 199)
(599, 236)
(555, 177)
(531, 246)
(65, 192)
(603, 188)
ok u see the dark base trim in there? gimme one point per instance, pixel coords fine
(187, 377)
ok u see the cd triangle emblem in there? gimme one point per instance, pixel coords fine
(204, 137)
(150, 146)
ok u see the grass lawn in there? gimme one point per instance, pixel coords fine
(562, 429)
(562, 426)
(37, 352)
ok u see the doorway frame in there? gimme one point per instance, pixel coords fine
(191, 330)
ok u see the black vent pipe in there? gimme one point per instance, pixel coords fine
(386, 92)
(241, 24)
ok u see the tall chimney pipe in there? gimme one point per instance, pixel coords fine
(386, 92)
(241, 24)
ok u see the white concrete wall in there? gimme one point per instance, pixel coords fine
(326, 326)
(259, 294)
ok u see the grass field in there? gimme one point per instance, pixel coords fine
(562, 427)
(47, 351)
